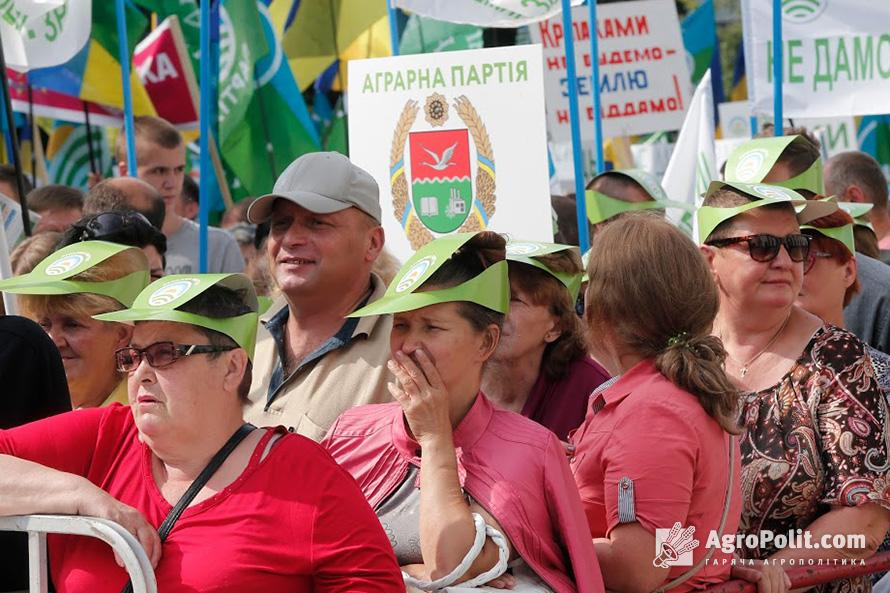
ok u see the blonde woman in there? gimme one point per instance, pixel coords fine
(62, 294)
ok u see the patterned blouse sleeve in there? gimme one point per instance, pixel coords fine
(851, 419)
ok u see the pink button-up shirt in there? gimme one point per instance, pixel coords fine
(649, 453)
(511, 466)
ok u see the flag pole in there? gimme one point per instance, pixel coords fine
(32, 127)
(595, 79)
(13, 144)
(393, 26)
(777, 67)
(580, 200)
(86, 120)
(124, 57)
(204, 116)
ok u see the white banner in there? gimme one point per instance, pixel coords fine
(644, 78)
(42, 33)
(457, 144)
(835, 56)
(693, 164)
(485, 13)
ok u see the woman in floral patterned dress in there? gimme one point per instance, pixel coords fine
(814, 450)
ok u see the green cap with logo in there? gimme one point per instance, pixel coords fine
(161, 300)
(528, 252)
(601, 207)
(710, 217)
(752, 161)
(859, 212)
(490, 288)
(56, 274)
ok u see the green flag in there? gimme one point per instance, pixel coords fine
(425, 35)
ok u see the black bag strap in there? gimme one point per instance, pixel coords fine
(196, 486)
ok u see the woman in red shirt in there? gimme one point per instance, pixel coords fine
(277, 515)
(656, 448)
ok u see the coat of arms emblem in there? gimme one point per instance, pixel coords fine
(443, 179)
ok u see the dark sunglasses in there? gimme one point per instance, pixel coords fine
(765, 248)
(161, 354)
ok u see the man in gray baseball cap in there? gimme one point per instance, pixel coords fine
(311, 362)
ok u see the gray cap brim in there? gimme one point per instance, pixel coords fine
(261, 209)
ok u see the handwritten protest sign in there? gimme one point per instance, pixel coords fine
(644, 78)
(836, 57)
(457, 144)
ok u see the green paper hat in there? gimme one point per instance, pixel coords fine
(710, 217)
(491, 288)
(527, 252)
(53, 275)
(844, 234)
(752, 161)
(162, 298)
(859, 212)
(649, 184)
(601, 207)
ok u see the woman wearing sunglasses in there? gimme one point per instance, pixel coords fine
(814, 453)
(64, 291)
(217, 504)
(830, 279)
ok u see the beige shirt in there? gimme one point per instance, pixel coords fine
(316, 393)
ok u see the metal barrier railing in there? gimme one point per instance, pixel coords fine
(807, 576)
(127, 547)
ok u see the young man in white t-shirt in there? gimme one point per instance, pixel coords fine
(160, 161)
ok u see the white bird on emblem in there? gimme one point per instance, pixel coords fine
(440, 163)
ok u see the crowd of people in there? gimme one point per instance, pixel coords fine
(312, 415)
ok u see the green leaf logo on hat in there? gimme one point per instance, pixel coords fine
(750, 164)
(527, 252)
(775, 192)
(525, 248)
(171, 291)
(67, 263)
(416, 273)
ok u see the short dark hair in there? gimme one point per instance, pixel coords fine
(7, 175)
(220, 302)
(190, 190)
(801, 153)
(55, 196)
(151, 129)
(105, 197)
(860, 169)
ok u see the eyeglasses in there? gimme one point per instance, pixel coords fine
(161, 354)
(765, 248)
(813, 256)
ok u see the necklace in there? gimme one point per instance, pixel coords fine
(743, 370)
